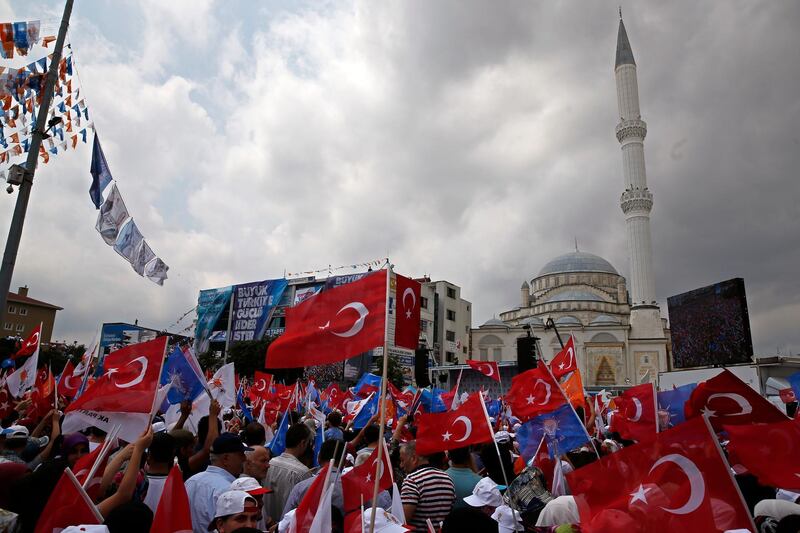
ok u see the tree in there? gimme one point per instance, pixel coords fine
(248, 356)
(394, 370)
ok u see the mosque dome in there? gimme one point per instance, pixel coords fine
(533, 321)
(568, 321)
(573, 295)
(604, 320)
(577, 262)
(494, 322)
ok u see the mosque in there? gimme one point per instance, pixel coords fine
(620, 337)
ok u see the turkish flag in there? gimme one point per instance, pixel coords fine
(6, 405)
(68, 505)
(69, 384)
(469, 424)
(534, 392)
(487, 368)
(173, 514)
(360, 481)
(309, 505)
(84, 465)
(677, 481)
(564, 361)
(406, 325)
(262, 385)
(333, 325)
(31, 344)
(769, 451)
(726, 399)
(124, 395)
(635, 417)
(43, 391)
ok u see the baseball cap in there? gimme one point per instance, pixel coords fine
(385, 522)
(86, 529)
(228, 443)
(502, 436)
(16, 432)
(507, 519)
(232, 502)
(250, 485)
(486, 492)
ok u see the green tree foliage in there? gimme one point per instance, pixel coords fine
(394, 369)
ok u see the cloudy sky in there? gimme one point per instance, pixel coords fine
(470, 141)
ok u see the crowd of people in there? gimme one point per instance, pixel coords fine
(235, 483)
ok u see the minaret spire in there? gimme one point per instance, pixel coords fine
(636, 200)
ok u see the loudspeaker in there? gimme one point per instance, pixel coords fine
(525, 359)
(421, 368)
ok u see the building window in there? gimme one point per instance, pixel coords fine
(451, 292)
(12, 309)
(464, 349)
(8, 326)
(467, 309)
(466, 330)
(450, 335)
(20, 327)
(484, 354)
(423, 302)
(423, 325)
(450, 357)
(23, 311)
(497, 354)
(451, 315)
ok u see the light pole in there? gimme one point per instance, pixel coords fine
(15, 231)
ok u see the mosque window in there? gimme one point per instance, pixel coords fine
(484, 354)
(497, 354)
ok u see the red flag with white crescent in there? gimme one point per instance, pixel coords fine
(487, 368)
(564, 361)
(406, 329)
(358, 483)
(124, 395)
(469, 424)
(333, 325)
(262, 386)
(635, 417)
(31, 344)
(534, 392)
(678, 481)
(69, 383)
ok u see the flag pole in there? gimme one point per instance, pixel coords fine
(382, 398)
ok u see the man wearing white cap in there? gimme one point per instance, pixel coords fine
(385, 522)
(508, 520)
(252, 487)
(486, 496)
(235, 509)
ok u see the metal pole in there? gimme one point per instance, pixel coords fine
(15, 231)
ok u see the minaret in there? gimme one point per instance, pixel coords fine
(636, 200)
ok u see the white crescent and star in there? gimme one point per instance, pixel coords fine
(488, 370)
(547, 388)
(638, 414)
(67, 383)
(697, 485)
(409, 292)
(379, 468)
(261, 384)
(362, 311)
(744, 406)
(135, 381)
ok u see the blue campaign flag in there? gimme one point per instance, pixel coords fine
(493, 408)
(185, 383)
(318, 440)
(278, 444)
(101, 174)
(246, 413)
(794, 381)
(368, 379)
(673, 401)
(312, 394)
(432, 401)
(366, 412)
(562, 429)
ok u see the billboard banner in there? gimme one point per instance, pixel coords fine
(210, 305)
(252, 305)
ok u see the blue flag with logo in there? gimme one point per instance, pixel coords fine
(278, 444)
(101, 174)
(185, 383)
(366, 412)
(562, 429)
(493, 408)
(794, 381)
(432, 401)
(673, 401)
(370, 380)
(319, 438)
(246, 413)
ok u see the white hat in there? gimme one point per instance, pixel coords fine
(248, 484)
(16, 432)
(86, 529)
(232, 502)
(385, 522)
(159, 427)
(508, 520)
(502, 436)
(485, 493)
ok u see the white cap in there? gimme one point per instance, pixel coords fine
(385, 522)
(232, 502)
(86, 529)
(485, 493)
(502, 436)
(16, 432)
(159, 427)
(248, 484)
(508, 520)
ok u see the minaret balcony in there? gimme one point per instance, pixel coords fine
(636, 200)
(631, 128)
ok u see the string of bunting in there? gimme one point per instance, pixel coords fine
(330, 269)
(21, 92)
(21, 37)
